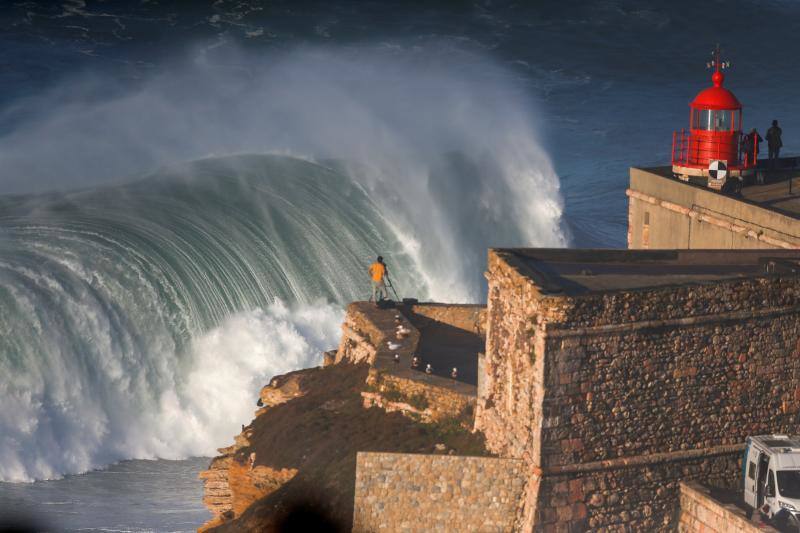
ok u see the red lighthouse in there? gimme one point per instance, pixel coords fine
(709, 153)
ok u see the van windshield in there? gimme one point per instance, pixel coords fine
(789, 483)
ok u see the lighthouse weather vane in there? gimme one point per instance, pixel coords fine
(716, 61)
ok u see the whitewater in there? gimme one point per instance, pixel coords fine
(139, 316)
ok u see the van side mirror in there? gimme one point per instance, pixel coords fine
(770, 492)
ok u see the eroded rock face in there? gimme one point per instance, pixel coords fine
(232, 484)
(280, 390)
(303, 451)
(217, 491)
(299, 453)
(218, 495)
(250, 483)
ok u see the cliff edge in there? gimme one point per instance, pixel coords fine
(300, 450)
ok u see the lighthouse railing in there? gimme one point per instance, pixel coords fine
(705, 149)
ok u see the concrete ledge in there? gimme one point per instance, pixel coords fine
(701, 512)
(740, 228)
(468, 317)
(697, 320)
(667, 213)
(642, 460)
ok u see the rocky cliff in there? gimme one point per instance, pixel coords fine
(300, 450)
(232, 485)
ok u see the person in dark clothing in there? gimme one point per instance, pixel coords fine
(756, 144)
(747, 149)
(774, 142)
(751, 144)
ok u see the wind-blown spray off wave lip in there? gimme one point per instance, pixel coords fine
(139, 320)
(443, 141)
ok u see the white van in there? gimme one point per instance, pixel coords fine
(771, 478)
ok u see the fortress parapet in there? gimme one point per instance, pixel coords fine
(665, 213)
(617, 373)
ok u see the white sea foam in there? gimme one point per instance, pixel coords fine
(56, 421)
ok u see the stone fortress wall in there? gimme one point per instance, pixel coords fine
(603, 405)
(613, 397)
(415, 492)
(468, 317)
(419, 492)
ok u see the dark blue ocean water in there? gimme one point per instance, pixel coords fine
(468, 124)
(129, 496)
(611, 79)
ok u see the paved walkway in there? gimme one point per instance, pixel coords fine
(446, 347)
(438, 344)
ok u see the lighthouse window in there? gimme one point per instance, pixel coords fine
(713, 120)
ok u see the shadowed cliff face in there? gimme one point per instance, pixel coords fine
(315, 435)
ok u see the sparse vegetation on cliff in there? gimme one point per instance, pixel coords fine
(391, 393)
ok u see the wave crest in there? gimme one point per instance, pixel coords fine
(112, 297)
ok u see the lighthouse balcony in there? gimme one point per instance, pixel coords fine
(717, 159)
(695, 151)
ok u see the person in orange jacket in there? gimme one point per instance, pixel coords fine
(378, 273)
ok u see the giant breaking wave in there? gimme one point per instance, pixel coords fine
(139, 319)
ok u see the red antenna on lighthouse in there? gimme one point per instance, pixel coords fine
(718, 65)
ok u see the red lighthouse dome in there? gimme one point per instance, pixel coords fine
(716, 97)
(709, 152)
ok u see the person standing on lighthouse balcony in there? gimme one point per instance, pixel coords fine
(756, 144)
(747, 148)
(774, 143)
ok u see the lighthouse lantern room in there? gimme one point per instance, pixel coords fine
(711, 152)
